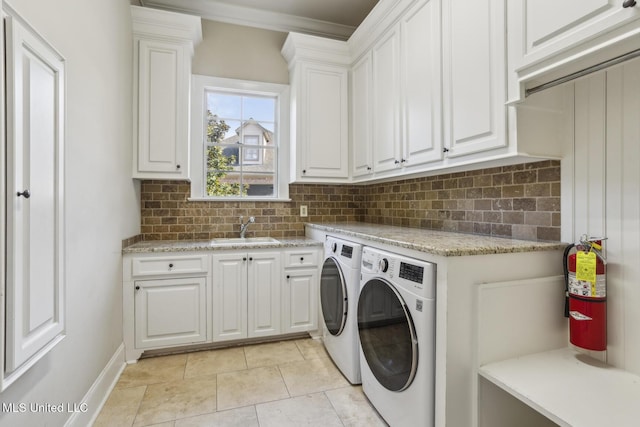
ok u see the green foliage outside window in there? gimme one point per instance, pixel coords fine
(218, 165)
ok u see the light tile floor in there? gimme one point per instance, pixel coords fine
(287, 383)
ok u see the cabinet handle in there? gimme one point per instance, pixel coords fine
(26, 194)
(629, 3)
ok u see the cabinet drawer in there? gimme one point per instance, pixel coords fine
(301, 258)
(170, 265)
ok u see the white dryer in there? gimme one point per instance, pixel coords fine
(396, 327)
(339, 287)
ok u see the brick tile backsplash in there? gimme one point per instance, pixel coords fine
(520, 201)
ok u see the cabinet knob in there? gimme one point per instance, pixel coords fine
(288, 277)
(250, 258)
(170, 265)
(403, 161)
(301, 259)
(629, 3)
(177, 166)
(26, 194)
(304, 171)
(244, 258)
(368, 168)
(397, 162)
(445, 150)
(137, 288)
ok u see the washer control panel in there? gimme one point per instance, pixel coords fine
(412, 274)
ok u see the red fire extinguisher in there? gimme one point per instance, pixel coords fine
(586, 294)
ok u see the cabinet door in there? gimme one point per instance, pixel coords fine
(163, 74)
(422, 99)
(362, 164)
(170, 312)
(550, 27)
(263, 294)
(474, 76)
(229, 296)
(323, 139)
(35, 297)
(300, 301)
(386, 102)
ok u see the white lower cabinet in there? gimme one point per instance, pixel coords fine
(176, 299)
(170, 312)
(300, 300)
(246, 295)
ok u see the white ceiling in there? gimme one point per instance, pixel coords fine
(331, 18)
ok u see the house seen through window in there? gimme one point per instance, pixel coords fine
(240, 145)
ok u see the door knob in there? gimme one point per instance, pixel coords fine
(26, 194)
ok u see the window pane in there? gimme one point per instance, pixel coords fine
(258, 108)
(263, 159)
(220, 130)
(226, 106)
(225, 184)
(259, 184)
(223, 159)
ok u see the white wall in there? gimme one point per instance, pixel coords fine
(102, 204)
(601, 196)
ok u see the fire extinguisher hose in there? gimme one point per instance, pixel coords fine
(565, 266)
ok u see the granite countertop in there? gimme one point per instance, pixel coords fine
(209, 245)
(436, 242)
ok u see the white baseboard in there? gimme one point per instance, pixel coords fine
(99, 391)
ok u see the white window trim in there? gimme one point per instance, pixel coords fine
(199, 85)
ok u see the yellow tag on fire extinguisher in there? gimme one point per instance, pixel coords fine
(586, 266)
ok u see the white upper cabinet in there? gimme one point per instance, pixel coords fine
(385, 56)
(319, 75)
(163, 48)
(474, 76)
(32, 299)
(421, 88)
(549, 39)
(361, 125)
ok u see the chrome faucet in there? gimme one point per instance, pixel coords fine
(243, 227)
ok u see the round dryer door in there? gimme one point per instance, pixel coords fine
(387, 335)
(333, 296)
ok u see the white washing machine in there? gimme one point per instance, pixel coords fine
(339, 287)
(396, 327)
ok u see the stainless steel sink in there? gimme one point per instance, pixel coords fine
(245, 241)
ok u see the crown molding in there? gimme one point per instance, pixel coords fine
(239, 15)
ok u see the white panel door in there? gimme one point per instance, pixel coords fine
(386, 102)
(622, 213)
(170, 312)
(263, 294)
(162, 109)
(361, 125)
(300, 301)
(551, 27)
(229, 296)
(422, 93)
(35, 218)
(474, 76)
(324, 123)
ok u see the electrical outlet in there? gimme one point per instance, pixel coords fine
(303, 210)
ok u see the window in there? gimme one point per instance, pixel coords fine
(239, 140)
